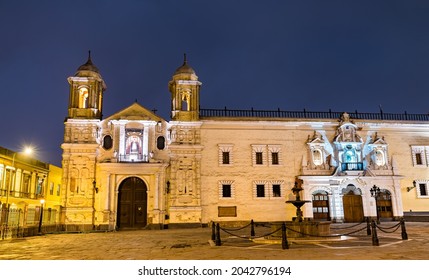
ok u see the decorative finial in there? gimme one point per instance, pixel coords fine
(89, 57)
(185, 61)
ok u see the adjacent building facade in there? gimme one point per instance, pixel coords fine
(135, 169)
(28, 187)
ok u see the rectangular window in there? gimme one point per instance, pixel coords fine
(225, 154)
(419, 159)
(39, 186)
(276, 191)
(260, 190)
(58, 189)
(259, 158)
(423, 190)
(26, 185)
(226, 191)
(51, 188)
(8, 181)
(225, 157)
(275, 158)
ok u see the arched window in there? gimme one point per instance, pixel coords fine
(317, 157)
(185, 102)
(379, 158)
(83, 98)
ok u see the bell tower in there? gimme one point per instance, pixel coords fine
(185, 94)
(81, 130)
(86, 92)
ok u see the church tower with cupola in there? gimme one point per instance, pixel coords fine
(81, 129)
(86, 92)
(185, 93)
(185, 147)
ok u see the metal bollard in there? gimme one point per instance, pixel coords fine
(375, 241)
(213, 231)
(285, 244)
(218, 241)
(368, 226)
(252, 228)
(403, 230)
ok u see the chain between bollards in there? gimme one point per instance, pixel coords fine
(285, 244)
(375, 241)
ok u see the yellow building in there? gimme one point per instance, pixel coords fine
(28, 186)
(135, 169)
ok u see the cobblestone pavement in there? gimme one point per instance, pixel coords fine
(196, 244)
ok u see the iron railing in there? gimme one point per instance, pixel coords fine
(252, 113)
(15, 222)
(347, 166)
(133, 158)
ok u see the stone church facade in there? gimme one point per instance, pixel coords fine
(135, 169)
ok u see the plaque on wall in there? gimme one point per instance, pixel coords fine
(227, 211)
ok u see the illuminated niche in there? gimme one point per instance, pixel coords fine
(83, 98)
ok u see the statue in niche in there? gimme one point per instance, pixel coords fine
(345, 117)
(134, 145)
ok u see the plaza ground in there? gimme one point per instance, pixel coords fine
(196, 244)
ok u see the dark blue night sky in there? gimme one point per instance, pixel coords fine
(318, 55)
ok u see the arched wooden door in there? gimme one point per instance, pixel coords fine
(132, 204)
(353, 208)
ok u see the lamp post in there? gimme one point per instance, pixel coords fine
(42, 201)
(375, 191)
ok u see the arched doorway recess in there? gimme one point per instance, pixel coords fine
(132, 204)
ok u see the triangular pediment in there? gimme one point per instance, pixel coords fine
(316, 141)
(135, 112)
(379, 141)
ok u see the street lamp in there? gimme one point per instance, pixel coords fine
(42, 201)
(375, 191)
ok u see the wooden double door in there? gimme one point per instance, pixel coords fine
(132, 204)
(353, 208)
